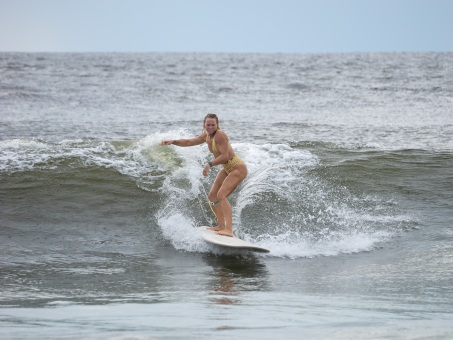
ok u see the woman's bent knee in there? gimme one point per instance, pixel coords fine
(212, 197)
(221, 196)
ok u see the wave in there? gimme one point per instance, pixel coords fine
(298, 200)
(288, 203)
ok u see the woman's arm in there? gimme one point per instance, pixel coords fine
(185, 142)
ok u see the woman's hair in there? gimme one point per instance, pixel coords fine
(211, 115)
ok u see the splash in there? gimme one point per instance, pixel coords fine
(281, 205)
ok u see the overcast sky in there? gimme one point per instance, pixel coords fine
(226, 25)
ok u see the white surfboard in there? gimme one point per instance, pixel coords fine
(211, 236)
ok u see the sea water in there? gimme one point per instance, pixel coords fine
(350, 186)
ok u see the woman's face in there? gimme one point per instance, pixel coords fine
(210, 125)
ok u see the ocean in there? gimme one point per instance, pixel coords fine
(350, 187)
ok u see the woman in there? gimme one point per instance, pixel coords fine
(233, 172)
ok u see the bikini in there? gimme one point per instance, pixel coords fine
(228, 166)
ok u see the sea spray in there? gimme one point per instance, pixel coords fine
(281, 204)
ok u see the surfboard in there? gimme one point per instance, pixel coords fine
(210, 236)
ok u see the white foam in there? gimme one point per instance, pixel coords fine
(180, 232)
(19, 155)
(268, 165)
(337, 227)
(294, 245)
(277, 157)
(128, 158)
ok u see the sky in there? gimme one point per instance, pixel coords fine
(238, 26)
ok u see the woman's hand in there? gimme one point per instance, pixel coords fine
(206, 170)
(167, 142)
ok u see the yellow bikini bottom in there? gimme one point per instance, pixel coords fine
(228, 166)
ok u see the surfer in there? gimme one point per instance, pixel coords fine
(233, 172)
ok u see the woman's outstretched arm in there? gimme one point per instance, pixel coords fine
(185, 142)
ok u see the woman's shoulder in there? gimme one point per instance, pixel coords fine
(221, 133)
(220, 136)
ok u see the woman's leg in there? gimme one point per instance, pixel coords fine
(229, 184)
(212, 196)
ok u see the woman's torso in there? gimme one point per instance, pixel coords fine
(212, 144)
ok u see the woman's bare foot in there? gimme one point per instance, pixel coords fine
(216, 228)
(225, 232)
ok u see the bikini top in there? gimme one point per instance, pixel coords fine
(214, 144)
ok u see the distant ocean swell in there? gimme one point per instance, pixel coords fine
(293, 202)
